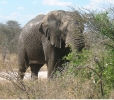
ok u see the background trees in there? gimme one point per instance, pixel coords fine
(9, 33)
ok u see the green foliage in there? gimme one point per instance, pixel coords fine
(109, 69)
(105, 24)
(102, 23)
(96, 68)
(77, 62)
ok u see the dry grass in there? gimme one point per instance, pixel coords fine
(68, 88)
(65, 87)
(10, 60)
(111, 95)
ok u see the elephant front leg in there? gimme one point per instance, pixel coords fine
(52, 63)
(51, 68)
(52, 56)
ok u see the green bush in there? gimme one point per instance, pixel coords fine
(77, 62)
(96, 68)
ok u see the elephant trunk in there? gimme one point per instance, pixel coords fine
(76, 41)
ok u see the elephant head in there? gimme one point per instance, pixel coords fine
(60, 26)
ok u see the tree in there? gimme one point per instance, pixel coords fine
(9, 34)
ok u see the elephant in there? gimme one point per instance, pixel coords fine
(46, 39)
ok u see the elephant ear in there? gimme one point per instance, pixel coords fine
(50, 28)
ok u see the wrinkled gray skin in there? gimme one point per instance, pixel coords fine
(45, 39)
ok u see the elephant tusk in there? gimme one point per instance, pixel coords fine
(66, 45)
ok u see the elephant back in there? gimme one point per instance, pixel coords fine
(35, 21)
(30, 25)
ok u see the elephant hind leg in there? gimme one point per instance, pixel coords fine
(21, 72)
(34, 71)
(22, 63)
(23, 67)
